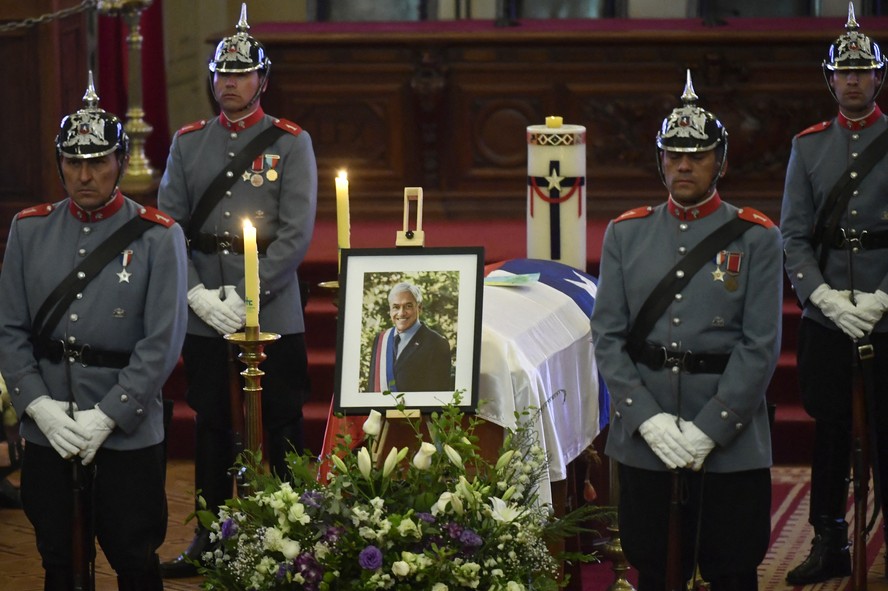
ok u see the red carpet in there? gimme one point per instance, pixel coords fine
(790, 540)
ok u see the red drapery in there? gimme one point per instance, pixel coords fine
(113, 54)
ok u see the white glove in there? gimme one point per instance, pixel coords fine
(837, 306)
(872, 306)
(64, 434)
(99, 426)
(66, 406)
(236, 304)
(701, 442)
(207, 305)
(666, 440)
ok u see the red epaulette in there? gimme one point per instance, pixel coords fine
(815, 128)
(192, 127)
(632, 214)
(156, 216)
(755, 216)
(36, 211)
(288, 126)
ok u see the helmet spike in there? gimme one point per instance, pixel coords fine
(689, 97)
(242, 25)
(851, 25)
(90, 98)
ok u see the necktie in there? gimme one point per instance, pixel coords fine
(397, 344)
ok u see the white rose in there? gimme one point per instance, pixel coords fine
(423, 458)
(373, 424)
(401, 569)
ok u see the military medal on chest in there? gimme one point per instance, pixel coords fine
(256, 171)
(271, 161)
(728, 276)
(125, 257)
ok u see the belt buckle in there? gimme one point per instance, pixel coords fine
(866, 352)
(223, 244)
(74, 354)
(676, 363)
(854, 243)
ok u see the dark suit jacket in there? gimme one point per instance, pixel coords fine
(424, 365)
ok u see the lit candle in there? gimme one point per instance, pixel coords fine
(251, 274)
(343, 227)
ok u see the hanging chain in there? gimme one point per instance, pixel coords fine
(50, 16)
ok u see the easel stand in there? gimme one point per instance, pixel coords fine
(402, 435)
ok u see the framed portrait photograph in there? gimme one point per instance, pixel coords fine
(409, 324)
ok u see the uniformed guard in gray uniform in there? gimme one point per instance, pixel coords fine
(217, 175)
(90, 329)
(688, 392)
(824, 269)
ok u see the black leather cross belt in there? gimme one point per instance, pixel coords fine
(866, 240)
(211, 243)
(658, 357)
(56, 351)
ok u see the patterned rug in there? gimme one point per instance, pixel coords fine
(790, 541)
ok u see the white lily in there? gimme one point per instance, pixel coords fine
(454, 456)
(502, 511)
(390, 462)
(364, 462)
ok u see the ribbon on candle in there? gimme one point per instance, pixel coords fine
(251, 275)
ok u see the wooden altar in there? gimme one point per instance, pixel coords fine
(445, 105)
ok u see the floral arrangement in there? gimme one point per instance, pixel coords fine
(443, 519)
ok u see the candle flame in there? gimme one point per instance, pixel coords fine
(343, 175)
(247, 224)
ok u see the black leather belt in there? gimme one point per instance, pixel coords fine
(866, 240)
(211, 243)
(658, 357)
(56, 351)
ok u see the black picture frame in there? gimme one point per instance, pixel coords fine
(451, 281)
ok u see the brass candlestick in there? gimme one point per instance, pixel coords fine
(614, 549)
(252, 344)
(139, 176)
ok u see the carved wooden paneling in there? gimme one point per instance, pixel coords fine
(45, 79)
(445, 106)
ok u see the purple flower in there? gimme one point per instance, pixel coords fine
(332, 534)
(470, 540)
(311, 498)
(427, 517)
(282, 570)
(229, 528)
(454, 530)
(310, 569)
(370, 558)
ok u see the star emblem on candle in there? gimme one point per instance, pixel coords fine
(554, 181)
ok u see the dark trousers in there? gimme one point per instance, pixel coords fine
(730, 512)
(284, 389)
(126, 507)
(825, 362)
